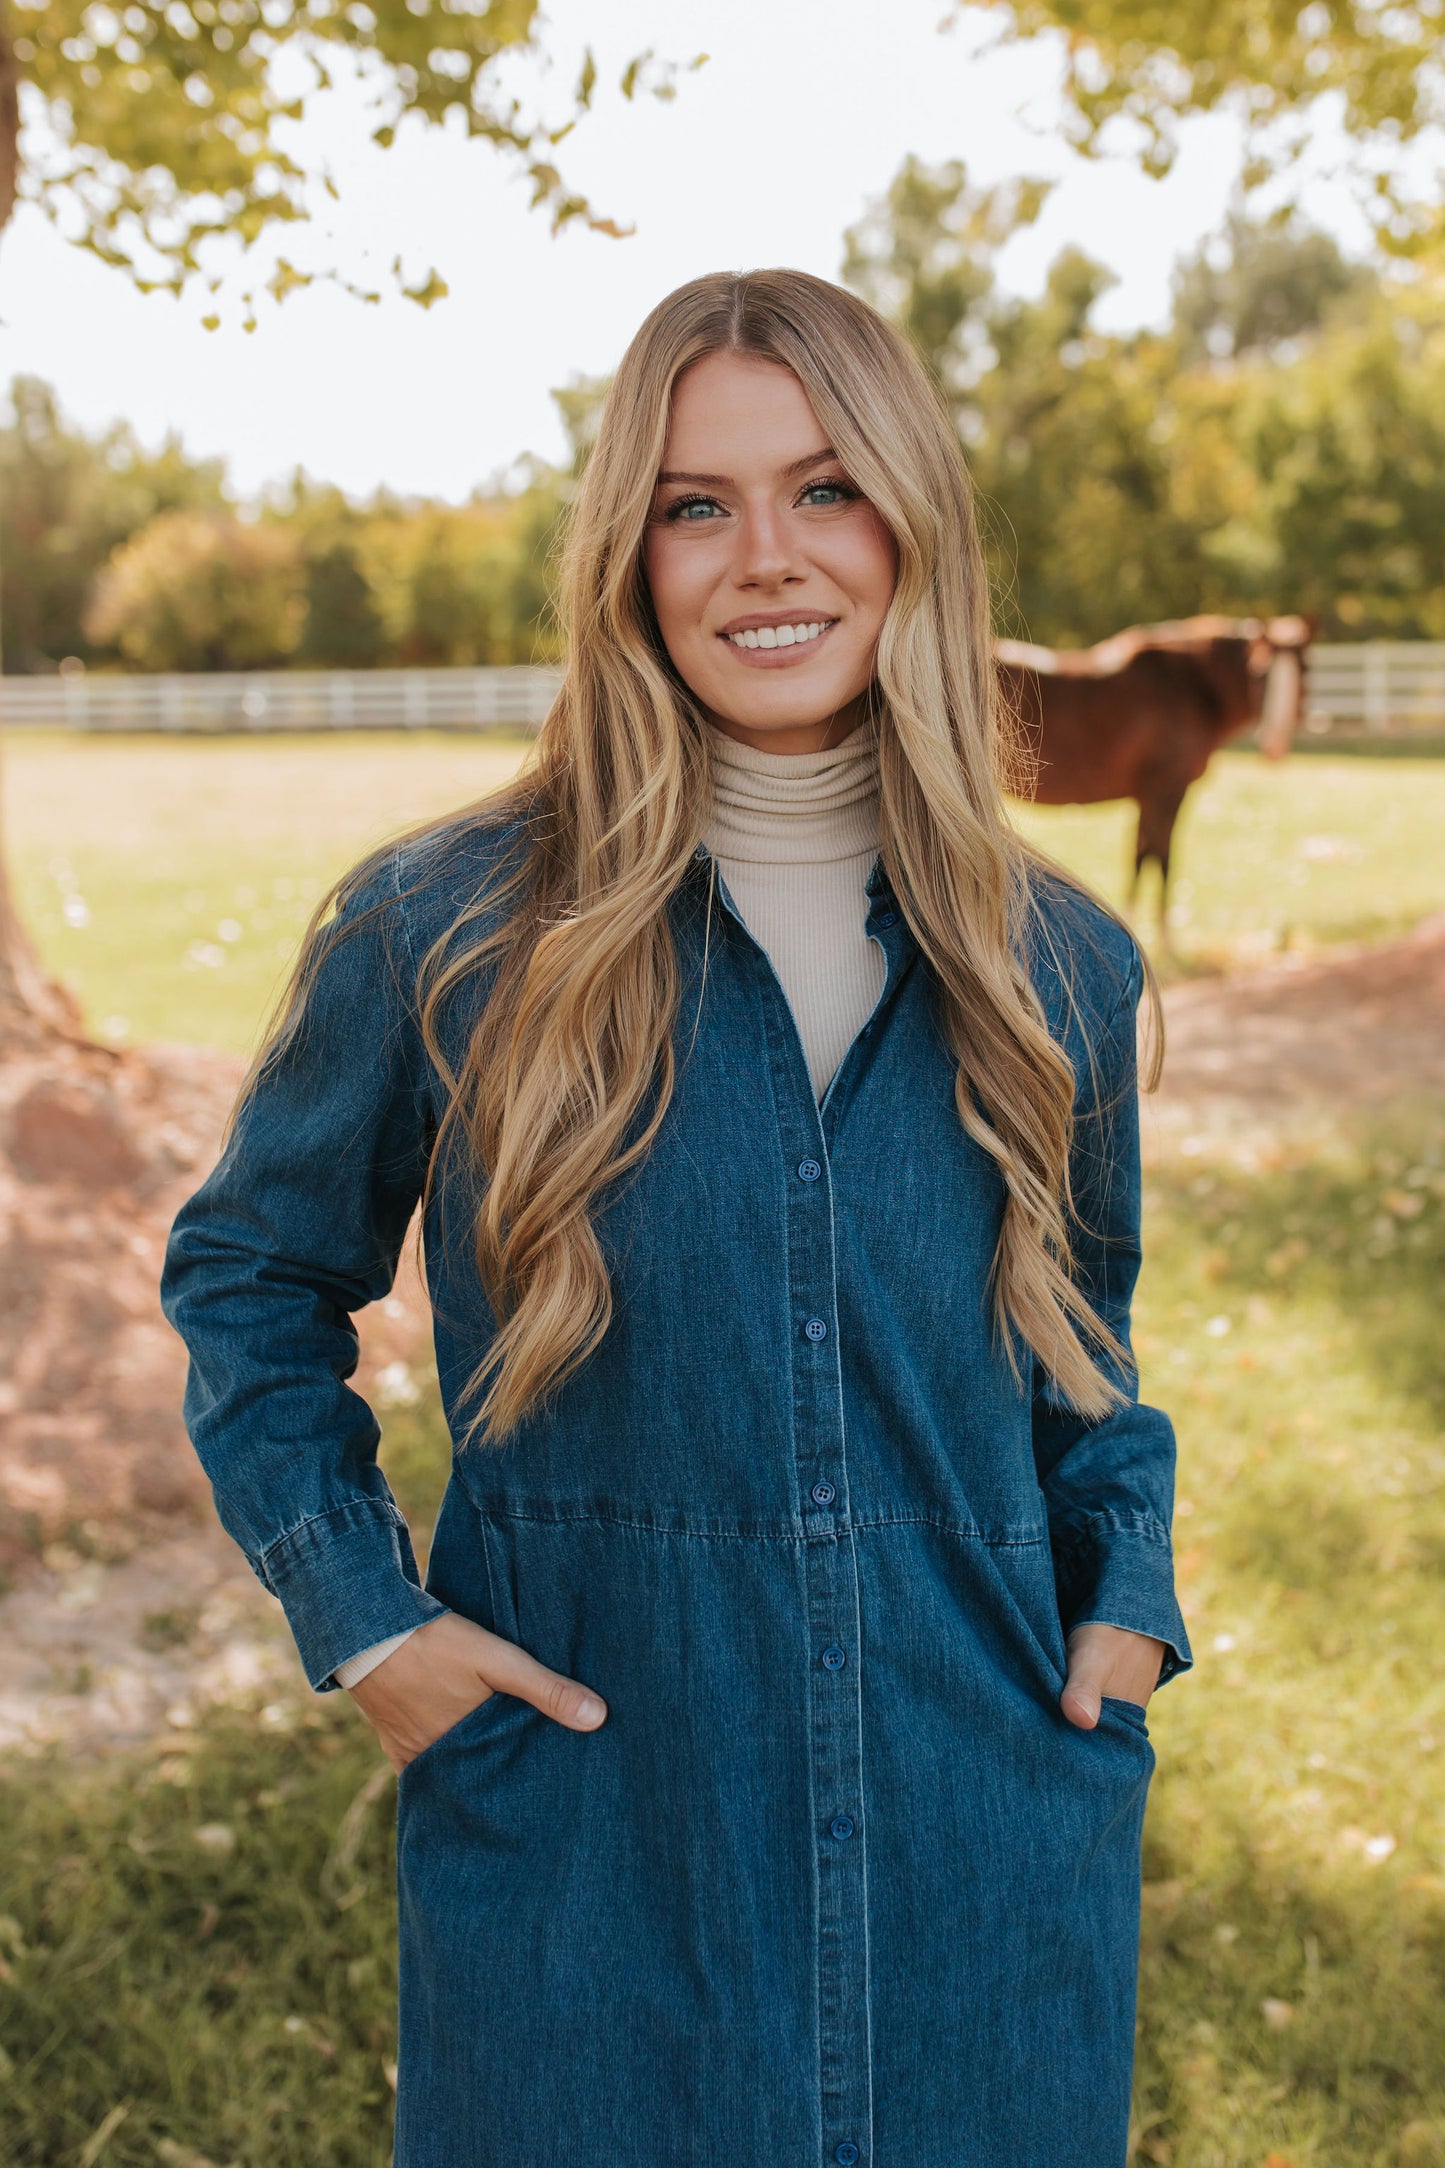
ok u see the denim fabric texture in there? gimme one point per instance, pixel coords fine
(836, 1882)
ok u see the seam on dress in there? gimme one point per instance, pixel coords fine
(1081, 1531)
(389, 1513)
(1020, 1540)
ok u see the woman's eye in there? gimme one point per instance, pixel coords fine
(693, 510)
(826, 493)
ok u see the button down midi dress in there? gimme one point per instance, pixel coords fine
(835, 1882)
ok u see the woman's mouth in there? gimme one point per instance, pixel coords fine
(778, 643)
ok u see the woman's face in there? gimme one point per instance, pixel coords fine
(769, 573)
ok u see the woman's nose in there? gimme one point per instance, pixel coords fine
(767, 550)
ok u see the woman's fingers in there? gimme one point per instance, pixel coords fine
(449, 1667)
(1081, 1698)
(1108, 1660)
(510, 1670)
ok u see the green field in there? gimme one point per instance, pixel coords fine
(168, 880)
(195, 1945)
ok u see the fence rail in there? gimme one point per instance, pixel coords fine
(1376, 687)
(284, 700)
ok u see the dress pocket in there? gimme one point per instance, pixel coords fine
(1127, 1712)
(481, 1713)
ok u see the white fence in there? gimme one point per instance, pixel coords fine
(279, 700)
(1378, 686)
(1384, 687)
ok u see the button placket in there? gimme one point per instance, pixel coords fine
(845, 2048)
(830, 1690)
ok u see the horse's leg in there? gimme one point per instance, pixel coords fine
(1158, 811)
(1141, 859)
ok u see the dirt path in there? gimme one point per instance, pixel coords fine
(1355, 1030)
(123, 1607)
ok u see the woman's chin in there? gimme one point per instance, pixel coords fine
(770, 704)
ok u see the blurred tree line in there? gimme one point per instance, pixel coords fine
(1279, 446)
(116, 556)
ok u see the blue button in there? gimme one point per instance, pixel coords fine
(886, 918)
(846, 2153)
(823, 1494)
(834, 1658)
(815, 1329)
(841, 1826)
(808, 1170)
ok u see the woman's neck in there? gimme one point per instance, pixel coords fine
(793, 808)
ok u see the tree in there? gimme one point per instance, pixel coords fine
(158, 131)
(1262, 283)
(579, 404)
(1153, 475)
(458, 585)
(201, 591)
(1140, 68)
(66, 501)
(343, 628)
(924, 255)
(1346, 449)
(1058, 421)
(162, 119)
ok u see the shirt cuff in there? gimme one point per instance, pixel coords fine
(347, 1581)
(355, 1669)
(1117, 1570)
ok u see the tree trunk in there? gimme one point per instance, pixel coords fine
(9, 119)
(32, 1007)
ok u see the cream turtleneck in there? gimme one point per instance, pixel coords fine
(795, 836)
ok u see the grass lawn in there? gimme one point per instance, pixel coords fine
(196, 1946)
(168, 880)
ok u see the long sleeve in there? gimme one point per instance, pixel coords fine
(357, 1668)
(299, 1226)
(1109, 1485)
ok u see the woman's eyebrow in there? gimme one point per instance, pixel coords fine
(724, 481)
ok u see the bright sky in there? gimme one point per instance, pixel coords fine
(804, 112)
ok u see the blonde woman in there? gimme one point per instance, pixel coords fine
(770, 1727)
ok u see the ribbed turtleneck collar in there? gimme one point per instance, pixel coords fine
(794, 808)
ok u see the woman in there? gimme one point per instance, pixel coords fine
(771, 1726)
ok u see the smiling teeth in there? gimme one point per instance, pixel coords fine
(777, 635)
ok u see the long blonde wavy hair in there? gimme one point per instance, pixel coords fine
(569, 1070)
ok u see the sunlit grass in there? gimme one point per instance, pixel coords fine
(1296, 856)
(188, 867)
(168, 881)
(1293, 2004)
(203, 1941)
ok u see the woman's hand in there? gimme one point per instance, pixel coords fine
(445, 1670)
(1106, 1660)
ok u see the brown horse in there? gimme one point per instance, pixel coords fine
(1139, 715)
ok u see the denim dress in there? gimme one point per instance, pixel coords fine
(835, 1882)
